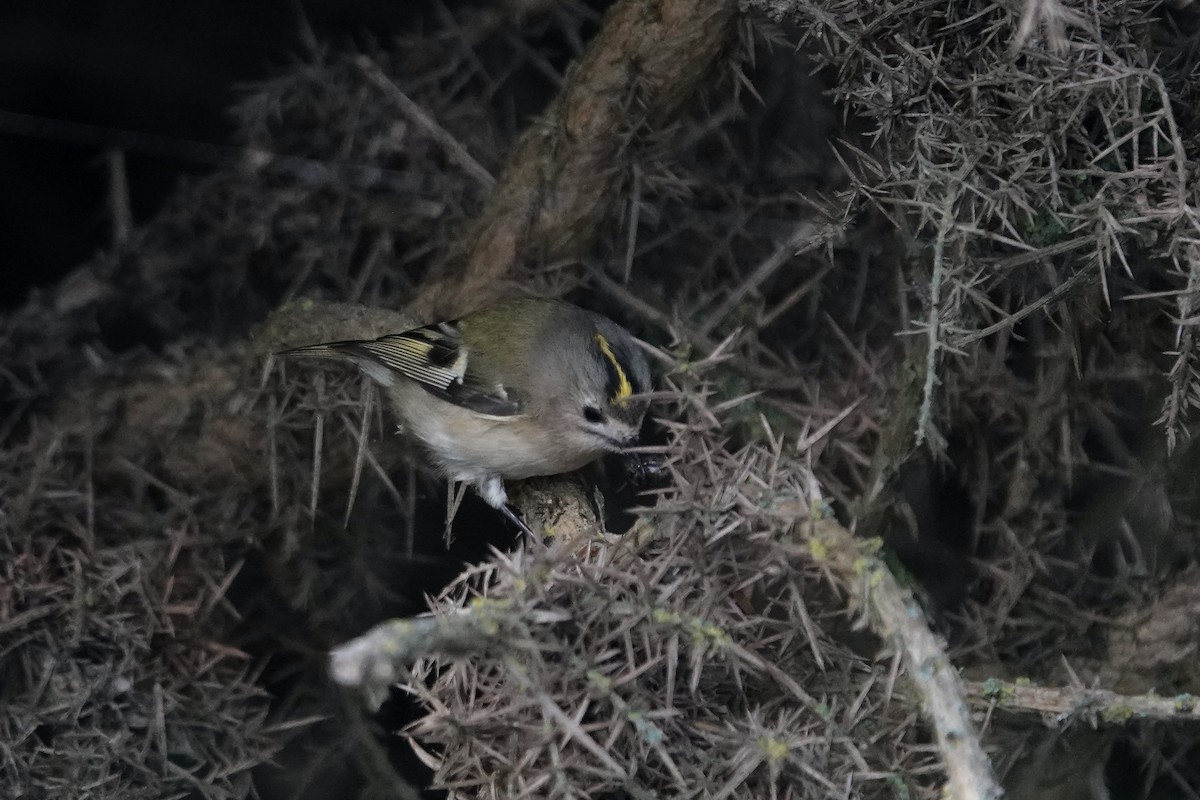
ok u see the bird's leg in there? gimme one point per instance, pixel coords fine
(511, 514)
(491, 489)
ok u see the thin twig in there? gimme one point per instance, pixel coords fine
(934, 327)
(119, 207)
(420, 117)
(807, 236)
(1053, 296)
(360, 453)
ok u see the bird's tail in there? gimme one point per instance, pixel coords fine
(352, 351)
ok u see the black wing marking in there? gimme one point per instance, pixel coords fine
(493, 401)
(424, 355)
(434, 357)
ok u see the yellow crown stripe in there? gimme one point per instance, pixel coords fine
(624, 388)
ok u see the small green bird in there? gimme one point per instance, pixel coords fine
(513, 390)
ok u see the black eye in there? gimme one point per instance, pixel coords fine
(593, 415)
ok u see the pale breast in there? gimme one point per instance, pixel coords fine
(468, 446)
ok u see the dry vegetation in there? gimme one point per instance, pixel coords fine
(951, 303)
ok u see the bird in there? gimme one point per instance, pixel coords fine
(516, 389)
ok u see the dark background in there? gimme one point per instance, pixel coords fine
(143, 66)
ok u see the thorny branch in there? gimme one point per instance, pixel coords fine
(380, 656)
(1083, 162)
(895, 616)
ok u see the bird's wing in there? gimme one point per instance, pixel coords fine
(434, 356)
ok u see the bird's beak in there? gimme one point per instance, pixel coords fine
(622, 443)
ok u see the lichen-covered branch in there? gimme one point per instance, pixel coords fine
(893, 614)
(373, 662)
(1099, 705)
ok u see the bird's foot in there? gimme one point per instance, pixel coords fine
(510, 512)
